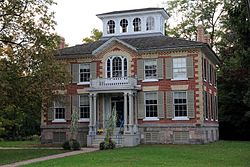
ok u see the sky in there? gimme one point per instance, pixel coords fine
(76, 18)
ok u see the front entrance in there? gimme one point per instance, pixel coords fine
(117, 103)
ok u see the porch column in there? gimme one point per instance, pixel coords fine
(125, 111)
(90, 114)
(94, 114)
(135, 112)
(131, 112)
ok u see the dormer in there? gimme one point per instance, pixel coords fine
(134, 22)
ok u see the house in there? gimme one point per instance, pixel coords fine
(163, 89)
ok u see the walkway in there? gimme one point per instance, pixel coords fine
(83, 150)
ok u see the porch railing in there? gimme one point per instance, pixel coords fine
(117, 82)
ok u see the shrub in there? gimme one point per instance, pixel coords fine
(102, 145)
(66, 145)
(75, 145)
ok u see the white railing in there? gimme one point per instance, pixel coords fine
(117, 82)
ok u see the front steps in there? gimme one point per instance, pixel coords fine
(97, 139)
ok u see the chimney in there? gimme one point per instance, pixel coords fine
(200, 33)
(62, 43)
(207, 39)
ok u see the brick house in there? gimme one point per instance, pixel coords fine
(163, 89)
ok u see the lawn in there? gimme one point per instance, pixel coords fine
(219, 154)
(28, 143)
(15, 155)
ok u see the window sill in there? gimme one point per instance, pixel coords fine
(83, 120)
(151, 119)
(180, 118)
(59, 120)
(150, 80)
(83, 83)
(179, 79)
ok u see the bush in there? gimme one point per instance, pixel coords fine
(107, 145)
(75, 145)
(102, 145)
(66, 145)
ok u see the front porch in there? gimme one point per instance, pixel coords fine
(125, 104)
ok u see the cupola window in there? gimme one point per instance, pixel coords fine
(150, 23)
(137, 24)
(124, 25)
(111, 27)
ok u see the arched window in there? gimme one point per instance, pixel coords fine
(137, 24)
(150, 23)
(124, 25)
(111, 27)
(117, 66)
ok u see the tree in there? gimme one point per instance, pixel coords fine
(96, 35)
(28, 70)
(188, 14)
(234, 78)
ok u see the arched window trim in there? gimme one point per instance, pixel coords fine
(111, 27)
(137, 24)
(124, 71)
(150, 23)
(124, 26)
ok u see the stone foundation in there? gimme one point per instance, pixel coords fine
(160, 134)
(57, 134)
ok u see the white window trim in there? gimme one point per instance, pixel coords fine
(180, 118)
(59, 120)
(150, 118)
(54, 114)
(180, 78)
(150, 80)
(79, 73)
(183, 117)
(82, 119)
(111, 66)
(144, 70)
(83, 83)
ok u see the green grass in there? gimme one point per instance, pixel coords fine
(223, 153)
(27, 143)
(9, 156)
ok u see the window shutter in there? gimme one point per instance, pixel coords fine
(169, 68)
(50, 113)
(93, 70)
(160, 106)
(190, 67)
(75, 102)
(67, 108)
(141, 108)
(204, 105)
(190, 99)
(169, 104)
(75, 73)
(140, 69)
(160, 72)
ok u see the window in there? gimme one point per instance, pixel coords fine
(59, 113)
(124, 25)
(180, 104)
(179, 68)
(84, 72)
(216, 108)
(205, 69)
(215, 78)
(84, 107)
(151, 104)
(117, 66)
(111, 27)
(150, 69)
(150, 23)
(137, 24)
(210, 73)
(211, 106)
(205, 105)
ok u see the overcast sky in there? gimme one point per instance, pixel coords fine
(76, 18)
